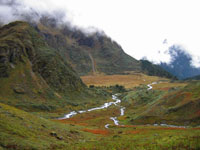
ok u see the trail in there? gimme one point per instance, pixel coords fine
(93, 64)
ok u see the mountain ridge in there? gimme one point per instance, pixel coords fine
(91, 53)
(33, 76)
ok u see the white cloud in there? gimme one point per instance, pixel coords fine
(139, 26)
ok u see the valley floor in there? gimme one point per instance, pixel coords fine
(136, 112)
(125, 134)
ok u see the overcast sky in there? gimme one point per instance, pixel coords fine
(141, 27)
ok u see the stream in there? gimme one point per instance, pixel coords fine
(105, 105)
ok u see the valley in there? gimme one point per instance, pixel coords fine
(63, 90)
(94, 129)
(111, 125)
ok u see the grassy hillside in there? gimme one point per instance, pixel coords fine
(33, 76)
(37, 82)
(21, 130)
(92, 53)
(155, 70)
(178, 105)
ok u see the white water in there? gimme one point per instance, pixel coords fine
(107, 125)
(82, 111)
(150, 85)
(70, 115)
(172, 126)
(106, 105)
(122, 111)
(116, 122)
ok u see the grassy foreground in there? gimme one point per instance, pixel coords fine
(25, 131)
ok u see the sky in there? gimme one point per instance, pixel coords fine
(144, 28)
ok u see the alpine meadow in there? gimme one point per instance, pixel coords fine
(64, 87)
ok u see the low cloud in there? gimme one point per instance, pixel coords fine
(28, 10)
(139, 28)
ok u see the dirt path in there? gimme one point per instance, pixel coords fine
(93, 64)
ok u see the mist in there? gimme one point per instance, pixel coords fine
(140, 27)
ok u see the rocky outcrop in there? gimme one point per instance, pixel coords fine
(21, 44)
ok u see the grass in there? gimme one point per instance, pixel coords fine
(163, 105)
(87, 132)
(21, 130)
(35, 78)
(143, 138)
(31, 92)
(129, 81)
(23, 134)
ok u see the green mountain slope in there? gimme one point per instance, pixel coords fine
(34, 75)
(155, 70)
(175, 106)
(93, 53)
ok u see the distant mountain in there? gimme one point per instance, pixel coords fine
(152, 69)
(180, 66)
(194, 78)
(92, 53)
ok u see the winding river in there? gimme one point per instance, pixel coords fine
(105, 105)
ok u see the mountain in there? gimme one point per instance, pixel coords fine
(152, 69)
(194, 78)
(180, 66)
(33, 75)
(39, 84)
(91, 53)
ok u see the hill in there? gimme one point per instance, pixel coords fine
(21, 130)
(177, 105)
(37, 82)
(93, 53)
(155, 70)
(33, 76)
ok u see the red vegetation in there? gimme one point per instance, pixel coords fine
(195, 128)
(198, 113)
(97, 131)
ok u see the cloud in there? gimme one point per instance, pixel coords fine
(140, 27)
(12, 10)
